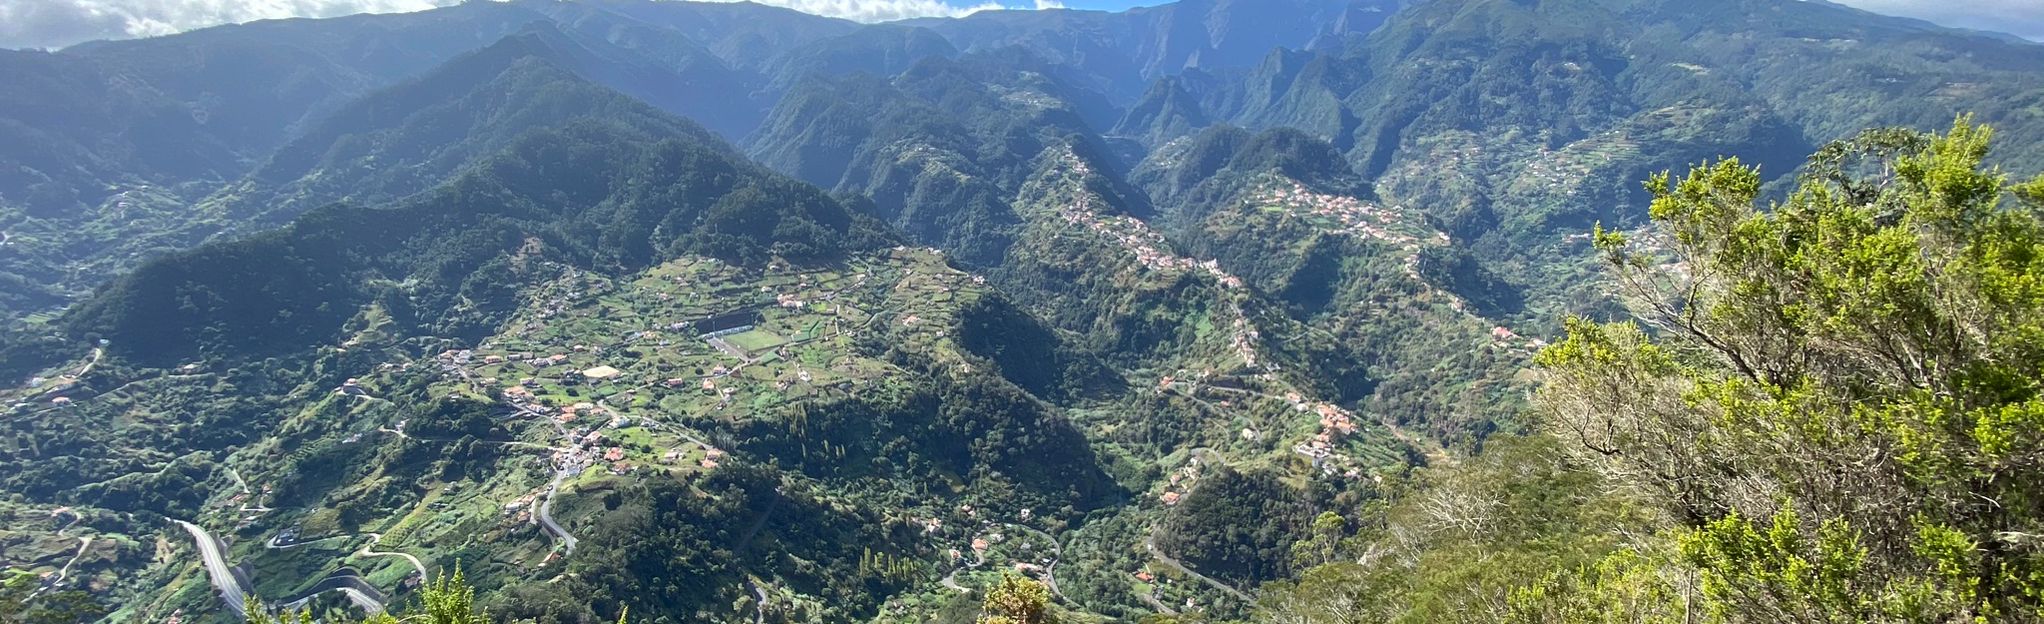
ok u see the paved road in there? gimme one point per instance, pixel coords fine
(235, 596)
(1057, 552)
(1151, 599)
(760, 617)
(951, 580)
(1433, 450)
(1150, 543)
(545, 513)
(1049, 571)
(232, 594)
(671, 428)
(351, 584)
(365, 602)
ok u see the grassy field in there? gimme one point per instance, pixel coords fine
(756, 340)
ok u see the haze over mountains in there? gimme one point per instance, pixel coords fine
(728, 312)
(59, 23)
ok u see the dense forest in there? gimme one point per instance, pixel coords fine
(1293, 311)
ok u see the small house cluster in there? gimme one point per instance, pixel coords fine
(1353, 216)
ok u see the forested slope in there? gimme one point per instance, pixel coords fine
(1216, 311)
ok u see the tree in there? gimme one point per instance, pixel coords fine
(1839, 400)
(1480, 541)
(1338, 593)
(1017, 600)
(1324, 544)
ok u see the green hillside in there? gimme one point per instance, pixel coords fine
(1290, 311)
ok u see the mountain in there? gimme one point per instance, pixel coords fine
(939, 148)
(204, 104)
(1619, 88)
(127, 150)
(404, 139)
(882, 50)
(482, 132)
(1167, 111)
(620, 205)
(746, 35)
(1220, 310)
(121, 140)
(1121, 51)
(118, 142)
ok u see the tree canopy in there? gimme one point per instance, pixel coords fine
(1836, 398)
(1017, 600)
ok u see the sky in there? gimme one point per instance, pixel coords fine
(57, 23)
(2024, 18)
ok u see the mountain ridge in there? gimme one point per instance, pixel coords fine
(718, 312)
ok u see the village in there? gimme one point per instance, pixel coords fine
(627, 375)
(605, 378)
(1252, 377)
(1153, 252)
(1341, 214)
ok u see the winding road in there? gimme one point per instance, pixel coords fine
(351, 584)
(1150, 543)
(951, 580)
(1057, 551)
(64, 572)
(544, 516)
(66, 511)
(252, 505)
(374, 539)
(232, 593)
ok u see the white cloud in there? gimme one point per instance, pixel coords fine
(2017, 17)
(53, 23)
(57, 23)
(881, 10)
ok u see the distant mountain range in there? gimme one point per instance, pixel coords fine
(1018, 279)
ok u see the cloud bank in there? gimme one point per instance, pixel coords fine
(58, 23)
